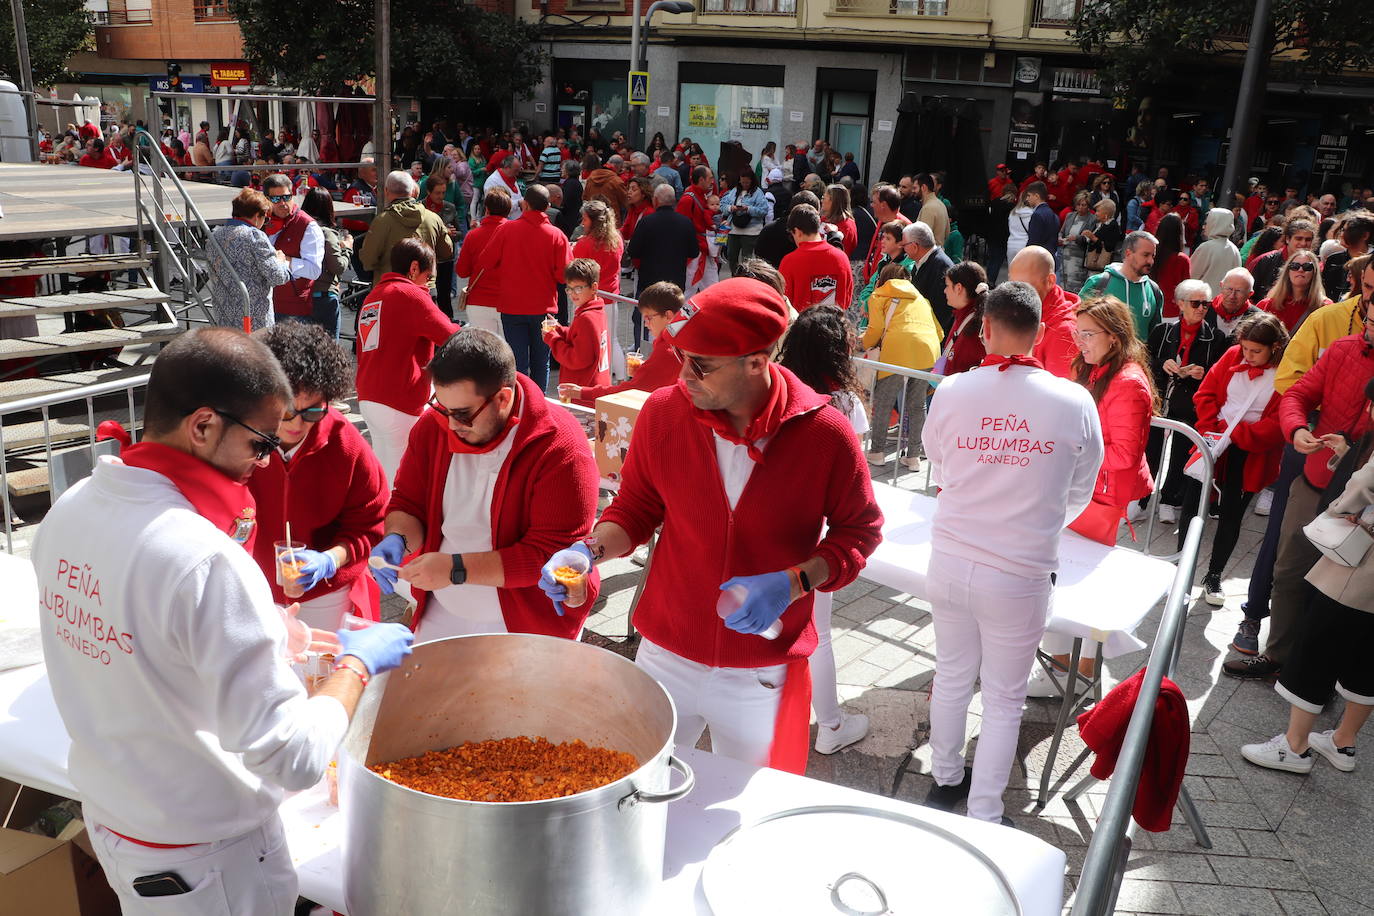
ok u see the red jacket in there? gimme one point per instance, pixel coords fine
(1173, 272)
(527, 259)
(1056, 348)
(1335, 386)
(545, 499)
(583, 348)
(849, 235)
(103, 161)
(1290, 313)
(608, 261)
(483, 288)
(996, 185)
(632, 217)
(1124, 411)
(399, 327)
(693, 206)
(965, 351)
(812, 475)
(817, 272)
(1262, 439)
(333, 492)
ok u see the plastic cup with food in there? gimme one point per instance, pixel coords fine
(550, 322)
(633, 360)
(570, 570)
(289, 566)
(565, 392)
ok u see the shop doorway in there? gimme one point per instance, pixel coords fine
(849, 134)
(847, 113)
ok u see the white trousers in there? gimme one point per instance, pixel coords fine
(825, 695)
(327, 611)
(486, 317)
(739, 704)
(987, 625)
(390, 431)
(247, 875)
(708, 278)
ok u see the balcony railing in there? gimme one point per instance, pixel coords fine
(752, 7)
(950, 9)
(1055, 13)
(213, 11)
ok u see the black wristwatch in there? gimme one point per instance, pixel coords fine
(459, 574)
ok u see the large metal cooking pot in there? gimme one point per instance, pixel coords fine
(411, 854)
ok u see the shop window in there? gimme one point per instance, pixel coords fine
(712, 114)
(767, 7)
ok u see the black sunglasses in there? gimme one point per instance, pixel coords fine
(262, 446)
(279, 198)
(1198, 303)
(309, 414)
(464, 416)
(1306, 267)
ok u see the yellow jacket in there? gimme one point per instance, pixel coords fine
(911, 337)
(1322, 328)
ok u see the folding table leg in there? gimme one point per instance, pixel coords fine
(1190, 814)
(1070, 702)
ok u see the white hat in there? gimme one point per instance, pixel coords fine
(774, 175)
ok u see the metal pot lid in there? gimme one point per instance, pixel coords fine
(842, 860)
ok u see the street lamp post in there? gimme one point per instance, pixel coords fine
(639, 51)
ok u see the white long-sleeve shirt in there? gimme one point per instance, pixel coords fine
(1016, 454)
(311, 261)
(164, 651)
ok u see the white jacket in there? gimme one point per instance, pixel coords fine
(164, 650)
(1016, 454)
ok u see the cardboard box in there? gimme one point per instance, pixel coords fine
(615, 420)
(38, 874)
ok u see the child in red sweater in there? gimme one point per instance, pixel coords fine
(817, 272)
(582, 349)
(660, 305)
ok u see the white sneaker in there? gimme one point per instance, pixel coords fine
(1042, 686)
(1275, 754)
(640, 556)
(852, 729)
(912, 463)
(1168, 514)
(1136, 512)
(878, 458)
(1264, 502)
(1342, 758)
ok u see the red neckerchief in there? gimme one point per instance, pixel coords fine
(274, 225)
(1186, 335)
(226, 504)
(1254, 372)
(459, 447)
(514, 189)
(1003, 363)
(765, 424)
(432, 208)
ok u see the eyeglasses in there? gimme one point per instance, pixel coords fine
(1198, 303)
(262, 446)
(695, 364)
(579, 289)
(1086, 336)
(279, 198)
(309, 414)
(1306, 267)
(462, 416)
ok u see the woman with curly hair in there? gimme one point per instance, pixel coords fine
(601, 242)
(325, 482)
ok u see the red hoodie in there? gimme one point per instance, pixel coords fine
(608, 261)
(1263, 439)
(817, 272)
(527, 259)
(812, 475)
(483, 288)
(1057, 349)
(582, 349)
(544, 500)
(399, 327)
(333, 492)
(660, 369)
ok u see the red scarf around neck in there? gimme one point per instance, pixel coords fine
(458, 447)
(1003, 363)
(764, 424)
(226, 504)
(1253, 371)
(1187, 333)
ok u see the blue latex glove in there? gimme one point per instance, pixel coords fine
(769, 595)
(392, 549)
(380, 647)
(557, 592)
(316, 566)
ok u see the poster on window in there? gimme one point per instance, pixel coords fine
(753, 118)
(713, 114)
(701, 117)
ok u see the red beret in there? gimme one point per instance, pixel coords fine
(732, 318)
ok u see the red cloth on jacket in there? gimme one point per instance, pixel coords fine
(1290, 312)
(527, 258)
(1056, 348)
(333, 492)
(660, 369)
(608, 261)
(1335, 385)
(399, 327)
(1170, 274)
(544, 500)
(582, 348)
(849, 236)
(1124, 411)
(1263, 439)
(1103, 729)
(483, 288)
(966, 351)
(812, 474)
(817, 272)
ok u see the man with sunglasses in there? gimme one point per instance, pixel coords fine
(763, 497)
(493, 481)
(166, 653)
(296, 235)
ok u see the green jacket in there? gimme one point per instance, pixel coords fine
(1144, 297)
(403, 219)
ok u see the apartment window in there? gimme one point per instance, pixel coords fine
(1055, 12)
(98, 11)
(773, 7)
(135, 11)
(213, 11)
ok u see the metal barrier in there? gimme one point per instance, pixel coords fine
(907, 376)
(44, 404)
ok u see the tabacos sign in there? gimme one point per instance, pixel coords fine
(239, 74)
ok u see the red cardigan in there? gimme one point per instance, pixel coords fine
(582, 348)
(483, 289)
(1125, 411)
(545, 499)
(399, 327)
(812, 475)
(333, 491)
(659, 370)
(608, 261)
(527, 259)
(1263, 439)
(815, 271)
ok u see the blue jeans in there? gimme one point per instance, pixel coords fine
(531, 353)
(324, 311)
(1256, 606)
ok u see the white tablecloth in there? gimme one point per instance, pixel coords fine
(1103, 593)
(33, 751)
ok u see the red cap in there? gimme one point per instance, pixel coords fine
(1001, 166)
(734, 317)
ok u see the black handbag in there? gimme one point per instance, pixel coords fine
(742, 219)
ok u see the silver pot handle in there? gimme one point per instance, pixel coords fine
(849, 910)
(689, 779)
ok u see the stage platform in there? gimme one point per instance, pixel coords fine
(50, 201)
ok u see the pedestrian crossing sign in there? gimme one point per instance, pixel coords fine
(639, 87)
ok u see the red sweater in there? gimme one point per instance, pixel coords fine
(660, 369)
(1263, 439)
(545, 499)
(817, 272)
(1290, 312)
(1173, 272)
(582, 349)
(1056, 348)
(608, 261)
(1335, 386)
(398, 328)
(1125, 411)
(527, 258)
(332, 491)
(849, 235)
(812, 475)
(483, 288)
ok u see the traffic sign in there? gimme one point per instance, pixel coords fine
(639, 87)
